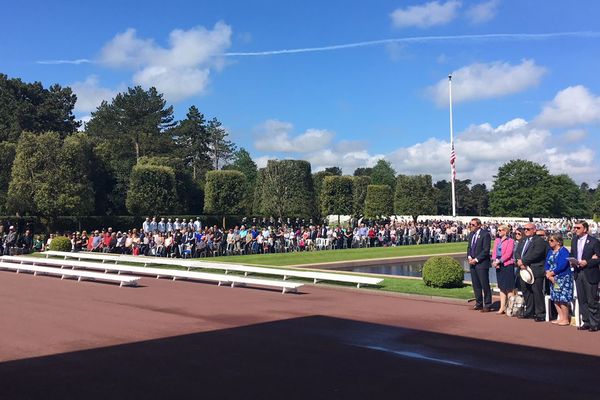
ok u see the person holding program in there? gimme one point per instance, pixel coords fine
(585, 252)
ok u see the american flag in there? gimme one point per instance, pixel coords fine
(453, 162)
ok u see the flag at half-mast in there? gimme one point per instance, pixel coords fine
(453, 162)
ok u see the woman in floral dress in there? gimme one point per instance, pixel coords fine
(558, 272)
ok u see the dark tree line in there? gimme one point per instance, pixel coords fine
(133, 157)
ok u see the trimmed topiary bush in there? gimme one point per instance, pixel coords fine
(60, 243)
(443, 272)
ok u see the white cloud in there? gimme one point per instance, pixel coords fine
(426, 15)
(481, 150)
(483, 81)
(274, 135)
(572, 106)
(90, 94)
(575, 135)
(483, 12)
(180, 70)
(84, 120)
(347, 161)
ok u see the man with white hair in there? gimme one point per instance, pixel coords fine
(533, 256)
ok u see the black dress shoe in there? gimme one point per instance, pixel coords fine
(477, 308)
(539, 319)
(593, 329)
(583, 328)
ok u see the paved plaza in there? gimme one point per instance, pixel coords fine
(164, 339)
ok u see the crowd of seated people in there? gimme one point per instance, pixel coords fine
(186, 239)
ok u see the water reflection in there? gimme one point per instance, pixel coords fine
(411, 268)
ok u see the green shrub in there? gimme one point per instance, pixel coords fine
(443, 272)
(60, 243)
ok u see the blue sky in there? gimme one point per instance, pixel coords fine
(533, 93)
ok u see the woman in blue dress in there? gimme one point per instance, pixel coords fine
(558, 272)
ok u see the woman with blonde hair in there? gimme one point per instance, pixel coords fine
(503, 261)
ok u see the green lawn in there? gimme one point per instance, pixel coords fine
(416, 286)
(315, 257)
(392, 284)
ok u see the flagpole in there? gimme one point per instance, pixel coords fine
(452, 167)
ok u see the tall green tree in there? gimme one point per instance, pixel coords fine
(379, 201)
(464, 201)
(520, 190)
(33, 108)
(152, 190)
(50, 177)
(190, 196)
(138, 118)
(479, 200)
(363, 171)
(318, 179)
(135, 123)
(336, 196)
(334, 170)
(384, 174)
(257, 193)
(243, 162)
(287, 189)
(596, 203)
(221, 149)
(587, 196)
(359, 194)
(414, 196)
(192, 138)
(225, 193)
(7, 157)
(565, 198)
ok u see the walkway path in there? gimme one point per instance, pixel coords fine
(169, 339)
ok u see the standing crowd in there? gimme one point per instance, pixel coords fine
(536, 262)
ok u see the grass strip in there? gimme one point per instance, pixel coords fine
(327, 256)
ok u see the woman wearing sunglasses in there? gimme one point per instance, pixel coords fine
(504, 263)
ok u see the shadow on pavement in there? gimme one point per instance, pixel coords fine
(313, 357)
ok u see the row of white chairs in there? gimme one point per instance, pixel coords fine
(316, 276)
(221, 279)
(10, 263)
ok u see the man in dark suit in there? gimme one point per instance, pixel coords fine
(533, 255)
(478, 252)
(586, 249)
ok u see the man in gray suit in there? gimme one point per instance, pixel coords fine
(478, 252)
(533, 255)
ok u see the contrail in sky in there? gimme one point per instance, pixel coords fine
(56, 62)
(414, 39)
(421, 39)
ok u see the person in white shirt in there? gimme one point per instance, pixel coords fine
(146, 226)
